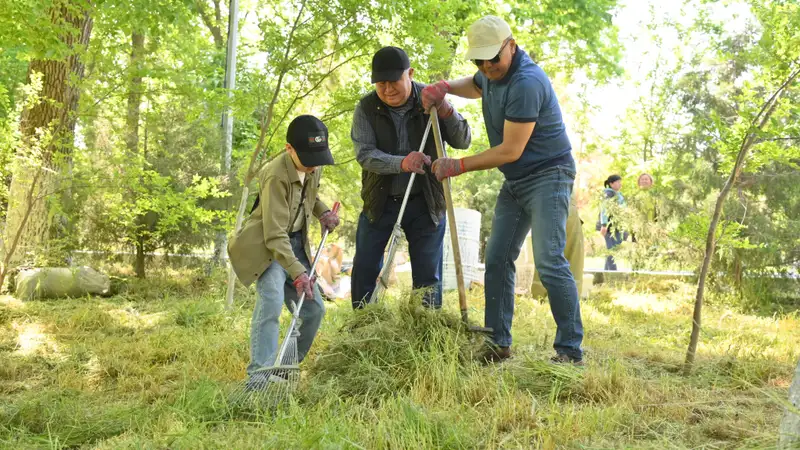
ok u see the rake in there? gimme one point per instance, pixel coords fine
(386, 271)
(451, 217)
(268, 387)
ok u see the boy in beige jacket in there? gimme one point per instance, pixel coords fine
(272, 247)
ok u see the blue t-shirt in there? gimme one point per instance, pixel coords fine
(526, 95)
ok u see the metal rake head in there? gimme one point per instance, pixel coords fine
(267, 388)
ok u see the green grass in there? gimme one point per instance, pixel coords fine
(152, 366)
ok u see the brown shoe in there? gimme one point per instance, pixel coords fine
(565, 359)
(494, 354)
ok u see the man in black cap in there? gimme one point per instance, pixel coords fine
(388, 126)
(272, 247)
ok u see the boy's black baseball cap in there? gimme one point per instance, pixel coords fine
(309, 137)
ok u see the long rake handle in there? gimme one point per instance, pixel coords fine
(383, 277)
(299, 305)
(451, 217)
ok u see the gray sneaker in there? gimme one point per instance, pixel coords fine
(260, 380)
(561, 358)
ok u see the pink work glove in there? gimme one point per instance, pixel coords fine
(447, 167)
(433, 95)
(329, 220)
(414, 162)
(303, 284)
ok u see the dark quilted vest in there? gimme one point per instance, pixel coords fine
(375, 188)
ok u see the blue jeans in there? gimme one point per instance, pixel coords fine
(275, 288)
(541, 202)
(613, 240)
(425, 240)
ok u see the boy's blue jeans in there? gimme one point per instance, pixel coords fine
(274, 288)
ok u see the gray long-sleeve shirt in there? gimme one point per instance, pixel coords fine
(379, 161)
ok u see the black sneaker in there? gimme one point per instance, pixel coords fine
(561, 358)
(495, 354)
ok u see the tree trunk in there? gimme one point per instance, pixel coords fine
(749, 139)
(48, 130)
(790, 425)
(212, 23)
(221, 240)
(139, 264)
(738, 270)
(132, 134)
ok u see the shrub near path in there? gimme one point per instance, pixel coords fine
(151, 366)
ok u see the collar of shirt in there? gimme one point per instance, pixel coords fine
(294, 174)
(513, 68)
(291, 169)
(402, 109)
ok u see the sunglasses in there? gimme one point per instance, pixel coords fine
(495, 60)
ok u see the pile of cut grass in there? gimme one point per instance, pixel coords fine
(388, 349)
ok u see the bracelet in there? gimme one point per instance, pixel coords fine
(462, 165)
(446, 84)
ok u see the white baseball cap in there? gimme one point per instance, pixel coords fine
(485, 37)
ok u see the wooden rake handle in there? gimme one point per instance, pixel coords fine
(451, 217)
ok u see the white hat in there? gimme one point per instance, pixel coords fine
(485, 37)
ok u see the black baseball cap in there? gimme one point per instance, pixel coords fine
(309, 137)
(388, 64)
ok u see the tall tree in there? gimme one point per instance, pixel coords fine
(750, 138)
(221, 240)
(135, 89)
(47, 129)
(774, 63)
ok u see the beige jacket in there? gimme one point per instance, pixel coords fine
(264, 237)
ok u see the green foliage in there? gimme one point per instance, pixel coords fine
(569, 36)
(320, 52)
(27, 30)
(8, 142)
(694, 228)
(172, 208)
(698, 116)
(12, 74)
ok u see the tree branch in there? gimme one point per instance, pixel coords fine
(299, 96)
(335, 114)
(791, 138)
(267, 118)
(213, 26)
(332, 53)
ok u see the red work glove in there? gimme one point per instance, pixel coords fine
(447, 167)
(414, 162)
(303, 284)
(329, 220)
(433, 95)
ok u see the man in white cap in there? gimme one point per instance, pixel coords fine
(531, 148)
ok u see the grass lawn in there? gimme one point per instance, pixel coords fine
(152, 368)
